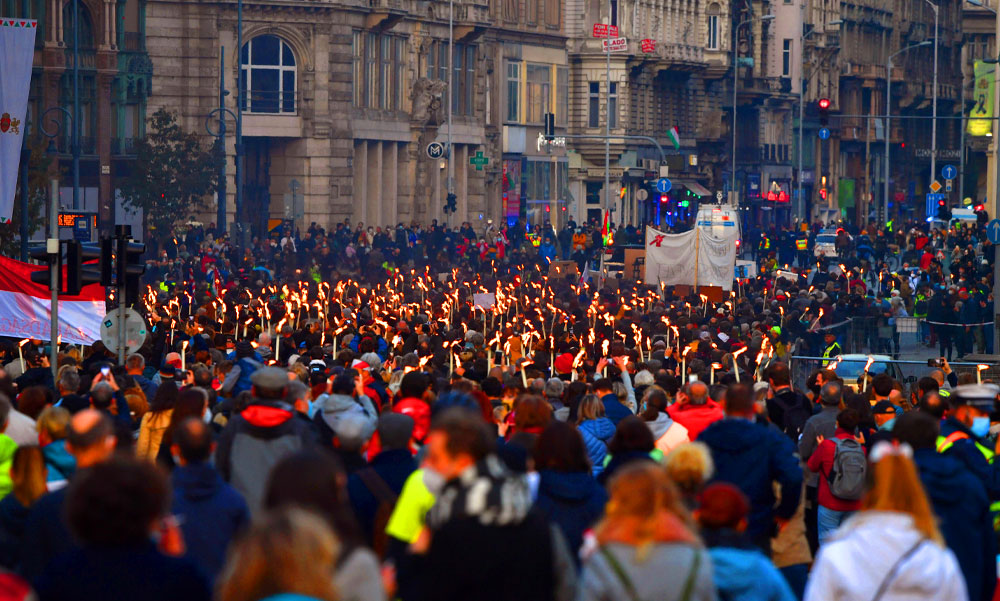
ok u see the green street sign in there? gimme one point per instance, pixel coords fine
(479, 160)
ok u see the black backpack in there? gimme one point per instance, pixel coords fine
(795, 411)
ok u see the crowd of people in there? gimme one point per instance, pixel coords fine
(304, 428)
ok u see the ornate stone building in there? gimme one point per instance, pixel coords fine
(114, 83)
(343, 99)
(671, 75)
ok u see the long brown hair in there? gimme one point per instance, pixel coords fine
(895, 486)
(28, 474)
(287, 550)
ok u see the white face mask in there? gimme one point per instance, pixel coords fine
(434, 481)
(207, 415)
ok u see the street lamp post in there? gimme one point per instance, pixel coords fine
(736, 71)
(240, 98)
(934, 94)
(884, 205)
(218, 116)
(803, 82)
(450, 184)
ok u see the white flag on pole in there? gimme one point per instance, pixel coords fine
(670, 258)
(17, 48)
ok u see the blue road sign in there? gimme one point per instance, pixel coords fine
(949, 172)
(824, 133)
(663, 185)
(81, 229)
(993, 231)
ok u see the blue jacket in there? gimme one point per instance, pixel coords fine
(394, 467)
(741, 572)
(963, 512)
(60, 463)
(614, 409)
(247, 367)
(547, 252)
(596, 435)
(573, 501)
(753, 456)
(211, 513)
(147, 386)
(965, 450)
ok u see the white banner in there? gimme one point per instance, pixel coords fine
(717, 259)
(670, 257)
(17, 48)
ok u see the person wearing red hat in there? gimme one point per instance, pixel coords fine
(739, 569)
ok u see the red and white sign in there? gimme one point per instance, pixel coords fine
(615, 45)
(648, 45)
(25, 307)
(603, 30)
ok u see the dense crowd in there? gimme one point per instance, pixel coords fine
(420, 420)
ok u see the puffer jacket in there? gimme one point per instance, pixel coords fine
(667, 433)
(596, 435)
(930, 572)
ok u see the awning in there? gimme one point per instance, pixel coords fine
(695, 187)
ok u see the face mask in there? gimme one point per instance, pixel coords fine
(207, 415)
(434, 481)
(980, 426)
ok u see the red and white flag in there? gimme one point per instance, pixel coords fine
(17, 49)
(25, 307)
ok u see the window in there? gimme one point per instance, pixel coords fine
(594, 105)
(713, 27)
(531, 11)
(786, 57)
(86, 34)
(613, 106)
(385, 72)
(442, 61)
(513, 92)
(470, 80)
(400, 68)
(614, 12)
(431, 72)
(553, 11)
(562, 95)
(458, 93)
(539, 92)
(371, 69)
(268, 75)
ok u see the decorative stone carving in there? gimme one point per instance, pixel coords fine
(428, 106)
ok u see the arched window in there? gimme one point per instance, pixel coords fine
(267, 75)
(712, 38)
(86, 27)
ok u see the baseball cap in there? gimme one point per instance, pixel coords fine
(883, 407)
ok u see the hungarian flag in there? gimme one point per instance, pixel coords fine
(25, 307)
(675, 137)
(606, 230)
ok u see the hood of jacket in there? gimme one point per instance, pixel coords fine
(266, 416)
(337, 403)
(58, 458)
(487, 492)
(736, 571)
(568, 486)
(734, 435)
(196, 482)
(660, 425)
(601, 428)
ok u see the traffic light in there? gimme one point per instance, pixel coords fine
(130, 267)
(822, 193)
(451, 203)
(685, 203)
(42, 255)
(78, 273)
(550, 126)
(824, 111)
(621, 193)
(943, 213)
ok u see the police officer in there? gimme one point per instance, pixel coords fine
(964, 434)
(832, 347)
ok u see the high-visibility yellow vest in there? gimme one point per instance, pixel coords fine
(827, 353)
(801, 243)
(945, 442)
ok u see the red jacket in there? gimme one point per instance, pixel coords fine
(695, 417)
(821, 462)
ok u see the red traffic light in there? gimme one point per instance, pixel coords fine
(664, 198)
(824, 103)
(940, 203)
(822, 193)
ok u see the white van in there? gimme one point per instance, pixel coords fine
(714, 219)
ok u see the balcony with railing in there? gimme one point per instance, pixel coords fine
(64, 145)
(123, 146)
(269, 102)
(271, 113)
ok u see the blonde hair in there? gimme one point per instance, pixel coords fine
(639, 494)
(591, 407)
(287, 550)
(54, 421)
(28, 474)
(895, 486)
(689, 466)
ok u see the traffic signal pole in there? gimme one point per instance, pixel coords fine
(52, 246)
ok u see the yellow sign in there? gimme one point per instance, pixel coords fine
(935, 186)
(981, 115)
